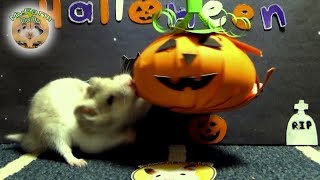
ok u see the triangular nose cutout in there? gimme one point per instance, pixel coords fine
(189, 57)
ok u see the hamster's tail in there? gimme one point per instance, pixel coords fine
(15, 137)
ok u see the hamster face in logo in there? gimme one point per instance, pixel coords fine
(30, 34)
(30, 30)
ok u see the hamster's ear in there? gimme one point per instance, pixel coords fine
(149, 170)
(93, 88)
(94, 80)
(91, 91)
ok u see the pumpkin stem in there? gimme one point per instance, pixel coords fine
(269, 73)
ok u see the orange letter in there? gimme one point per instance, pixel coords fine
(243, 10)
(55, 13)
(104, 11)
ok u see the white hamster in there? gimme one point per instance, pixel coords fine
(94, 116)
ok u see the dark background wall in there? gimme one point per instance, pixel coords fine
(90, 50)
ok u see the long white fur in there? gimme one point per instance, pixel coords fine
(54, 123)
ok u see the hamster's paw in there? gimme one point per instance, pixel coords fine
(85, 112)
(77, 162)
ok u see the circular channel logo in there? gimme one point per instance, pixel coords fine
(30, 28)
(30, 32)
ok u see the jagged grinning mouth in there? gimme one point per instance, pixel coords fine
(182, 83)
(145, 18)
(210, 137)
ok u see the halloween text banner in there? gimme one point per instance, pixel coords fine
(141, 12)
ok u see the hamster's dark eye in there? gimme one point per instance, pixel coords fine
(110, 100)
(24, 27)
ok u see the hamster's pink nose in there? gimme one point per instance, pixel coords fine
(87, 110)
(132, 85)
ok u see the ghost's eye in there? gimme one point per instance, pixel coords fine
(182, 174)
(158, 175)
(110, 100)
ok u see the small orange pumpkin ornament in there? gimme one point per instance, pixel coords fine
(192, 73)
(206, 130)
(141, 11)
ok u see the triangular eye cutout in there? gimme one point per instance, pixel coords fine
(210, 42)
(139, 9)
(189, 58)
(167, 45)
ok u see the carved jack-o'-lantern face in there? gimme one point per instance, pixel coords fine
(141, 11)
(192, 73)
(206, 130)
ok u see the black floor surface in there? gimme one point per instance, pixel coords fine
(231, 162)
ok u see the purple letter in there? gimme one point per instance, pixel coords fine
(181, 14)
(80, 12)
(267, 13)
